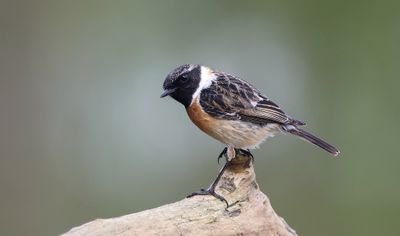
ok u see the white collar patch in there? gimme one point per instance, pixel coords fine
(206, 79)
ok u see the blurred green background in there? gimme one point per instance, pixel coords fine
(84, 135)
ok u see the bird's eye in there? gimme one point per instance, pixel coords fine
(184, 78)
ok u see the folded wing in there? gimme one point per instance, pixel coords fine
(234, 99)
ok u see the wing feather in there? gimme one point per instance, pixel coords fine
(234, 99)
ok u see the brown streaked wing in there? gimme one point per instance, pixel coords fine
(234, 99)
(226, 96)
(266, 110)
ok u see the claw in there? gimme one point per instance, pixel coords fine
(211, 189)
(222, 154)
(211, 192)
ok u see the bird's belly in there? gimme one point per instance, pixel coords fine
(231, 132)
(243, 134)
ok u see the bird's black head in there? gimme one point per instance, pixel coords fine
(182, 82)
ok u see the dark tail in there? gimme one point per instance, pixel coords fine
(311, 138)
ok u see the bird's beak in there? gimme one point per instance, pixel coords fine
(167, 92)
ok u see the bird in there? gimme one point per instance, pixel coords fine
(232, 111)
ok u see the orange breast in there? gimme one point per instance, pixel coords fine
(200, 118)
(233, 132)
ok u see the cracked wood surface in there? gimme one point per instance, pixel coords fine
(250, 214)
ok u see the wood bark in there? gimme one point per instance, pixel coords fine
(250, 212)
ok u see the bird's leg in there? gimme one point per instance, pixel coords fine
(211, 189)
(223, 153)
(230, 152)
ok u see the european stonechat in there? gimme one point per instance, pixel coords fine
(232, 111)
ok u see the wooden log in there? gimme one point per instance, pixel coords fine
(250, 212)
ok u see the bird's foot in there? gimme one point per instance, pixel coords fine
(241, 151)
(210, 191)
(223, 153)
